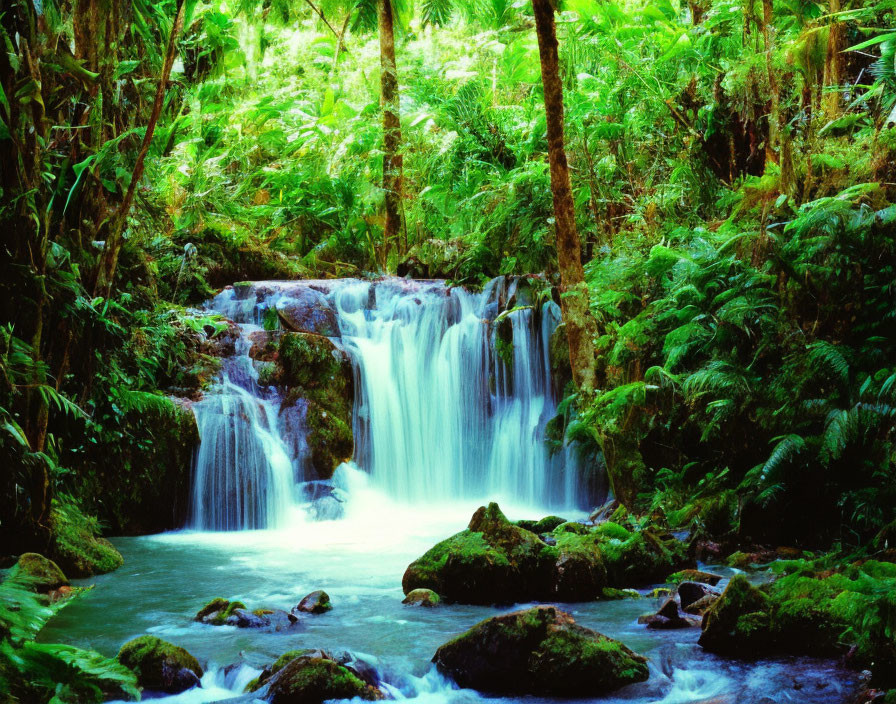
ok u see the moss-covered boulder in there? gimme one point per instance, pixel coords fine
(496, 561)
(492, 561)
(319, 381)
(314, 680)
(739, 622)
(76, 545)
(542, 526)
(422, 597)
(317, 602)
(159, 665)
(539, 651)
(38, 573)
(640, 557)
(692, 575)
(217, 611)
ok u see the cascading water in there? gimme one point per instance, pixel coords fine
(453, 391)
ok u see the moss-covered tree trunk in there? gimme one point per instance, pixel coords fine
(833, 62)
(580, 325)
(392, 158)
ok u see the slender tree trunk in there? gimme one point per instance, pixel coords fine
(392, 158)
(580, 325)
(109, 260)
(833, 62)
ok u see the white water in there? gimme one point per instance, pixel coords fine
(439, 415)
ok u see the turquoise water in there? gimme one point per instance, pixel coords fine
(359, 561)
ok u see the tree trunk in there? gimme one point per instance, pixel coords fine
(833, 62)
(109, 260)
(392, 159)
(580, 325)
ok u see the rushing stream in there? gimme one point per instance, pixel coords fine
(441, 423)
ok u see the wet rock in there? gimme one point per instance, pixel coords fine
(308, 310)
(701, 606)
(496, 561)
(492, 561)
(690, 592)
(324, 501)
(668, 617)
(265, 345)
(317, 602)
(217, 611)
(695, 576)
(314, 680)
(38, 573)
(422, 597)
(243, 618)
(77, 548)
(159, 665)
(739, 622)
(539, 651)
(320, 398)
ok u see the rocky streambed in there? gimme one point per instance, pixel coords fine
(370, 644)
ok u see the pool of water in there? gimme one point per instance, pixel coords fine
(359, 562)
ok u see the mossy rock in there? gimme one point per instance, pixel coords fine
(642, 558)
(76, 547)
(38, 573)
(539, 651)
(739, 622)
(279, 664)
(314, 680)
(320, 384)
(579, 572)
(691, 575)
(545, 525)
(159, 665)
(317, 602)
(217, 611)
(492, 561)
(422, 597)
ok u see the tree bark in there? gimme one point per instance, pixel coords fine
(833, 62)
(580, 324)
(109, 260)
(392, 158)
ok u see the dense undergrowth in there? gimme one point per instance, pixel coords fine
(733, 175)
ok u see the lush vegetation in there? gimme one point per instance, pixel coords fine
(732, 173)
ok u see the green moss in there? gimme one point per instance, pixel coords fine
(220, 610)
(572, 527)
(690, 575)
(611, 594)
(38, 573)
(150, 657)
(313, 680)
(76, 545)
(739, 621)
(613, 531)
(545, 525)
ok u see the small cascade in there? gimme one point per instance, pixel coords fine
(243, 475)
(453, 392)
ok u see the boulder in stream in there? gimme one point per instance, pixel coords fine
(692, 592)
(221, 612)
(314, 679)
(317, 602)
(739, 622)
(422, 597)
(496, 561)
(159, 665)
(540, 651)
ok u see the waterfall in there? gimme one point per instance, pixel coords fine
(453, 391)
